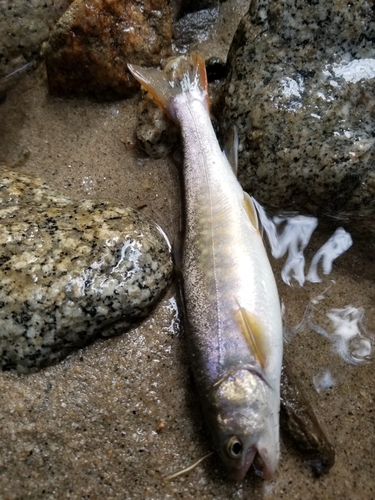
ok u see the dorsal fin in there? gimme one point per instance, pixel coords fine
(255, 339)
(250, 210)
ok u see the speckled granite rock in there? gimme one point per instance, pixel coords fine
(193, 27)
(301, 91)
(88, 52)
(71, 270)
(23, 28)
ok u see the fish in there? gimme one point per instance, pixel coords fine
(300, 422)
(232, 308)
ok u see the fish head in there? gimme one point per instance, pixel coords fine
(244, 422)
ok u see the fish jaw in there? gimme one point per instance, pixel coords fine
(243, 419)
(239, 473)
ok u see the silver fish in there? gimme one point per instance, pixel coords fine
(231, 300)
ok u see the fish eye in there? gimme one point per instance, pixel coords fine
(233, 447)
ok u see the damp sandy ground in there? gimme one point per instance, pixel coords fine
(115, 418)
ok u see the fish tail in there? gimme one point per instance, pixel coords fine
(184, 74)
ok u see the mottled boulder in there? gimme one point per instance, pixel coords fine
(88, 51)
(301, 91)
(23, 28)
(194, 27)
(70, 271)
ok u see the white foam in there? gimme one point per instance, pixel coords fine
(337, 244)
(294, 238)
(349, 341)
(171, 309)
(323, 381)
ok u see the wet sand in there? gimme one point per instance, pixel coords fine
(115, 418)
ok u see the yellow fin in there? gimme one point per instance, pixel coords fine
(251, 210)
(252, 331)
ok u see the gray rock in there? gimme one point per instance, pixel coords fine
(70, 271)
(196, 5)
(301, 92)
(23, 28)
(193, 27)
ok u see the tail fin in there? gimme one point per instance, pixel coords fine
(182, 74)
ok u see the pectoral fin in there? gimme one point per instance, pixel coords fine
(251, 210)
(253, 334)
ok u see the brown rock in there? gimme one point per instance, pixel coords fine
(88, 52)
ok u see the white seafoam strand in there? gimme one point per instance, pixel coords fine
(294, 238)
(349, 337)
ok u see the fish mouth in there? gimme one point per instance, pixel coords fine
(238, 473)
